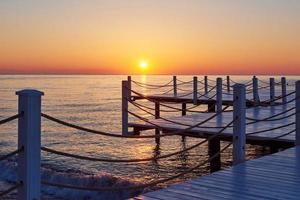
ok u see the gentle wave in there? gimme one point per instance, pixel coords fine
(77, 178)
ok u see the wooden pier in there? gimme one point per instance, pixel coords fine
(254, 130)
(267, 114)
(271, 177)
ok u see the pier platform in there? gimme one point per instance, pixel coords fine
(275, 176)
(256, 133)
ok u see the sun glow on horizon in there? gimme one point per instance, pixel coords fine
(143, 64)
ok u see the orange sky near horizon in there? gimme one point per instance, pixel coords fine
(174, 37)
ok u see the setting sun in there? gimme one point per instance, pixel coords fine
(143, 64)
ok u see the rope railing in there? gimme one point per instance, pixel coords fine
(154, 100)
(183, 90)
(248, 83)
(101, 132)
(271, 129)
(174, 109)
(279, 104)
(276, 119)
(209, 98)
(9, 119)
(184, 82)
(264, 82)
(197, 125)
(277, 98)
(168, 91)
(285, 134)
(209, 91)
(11, 154)
(46, 149)
(273, 116)
(249, 91)
(267, 103)
(271, 120)
(203, 83)
(172, 121)
(141, 186)
(9, 190)
(118, 135)
(267, 83)
(152, 86)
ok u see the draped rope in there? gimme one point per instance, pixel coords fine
(135, 160)
(123, 136)
(185, 82)
(101, 132)
(9, 119)
(174, 109)
(270, 117)
(285, 134)
(152, 86)
(144, 185)
(271, 129)
(183, 130)
(172, 121)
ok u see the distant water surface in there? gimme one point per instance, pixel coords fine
(94, 102)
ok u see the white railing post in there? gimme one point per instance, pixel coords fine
(195, 90)
(175, 86)
(255, 90)
(205, 85)
(239, 124)
(272, 90)
(219, 94)
(283, 89)
(228, 83)
(297, 113)
(129, 85)
(125, 98)
(29, 137)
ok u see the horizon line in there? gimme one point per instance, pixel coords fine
(153, 74)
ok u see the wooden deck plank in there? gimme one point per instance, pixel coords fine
(255, 182)
(270, 177)
(232, 188)
(209, 193)
(170, 195)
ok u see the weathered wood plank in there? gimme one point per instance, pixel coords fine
(271, 177)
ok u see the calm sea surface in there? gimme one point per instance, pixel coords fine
(94, 102)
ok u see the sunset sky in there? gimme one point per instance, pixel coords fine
(150, 36)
